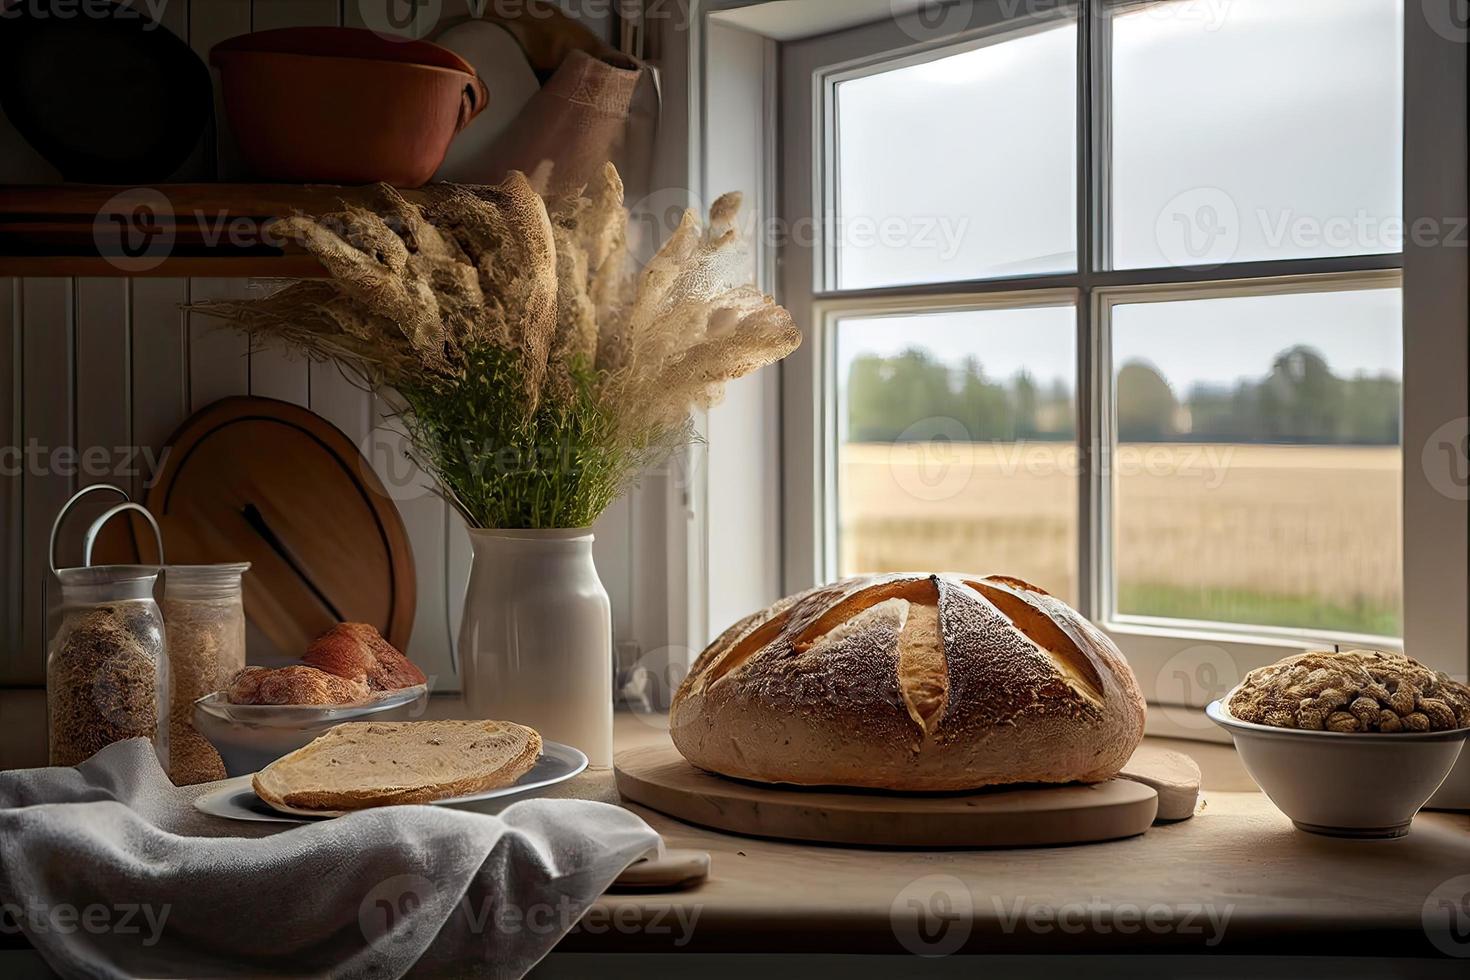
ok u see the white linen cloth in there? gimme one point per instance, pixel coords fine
(110, 872)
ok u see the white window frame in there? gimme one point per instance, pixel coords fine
(1435, 279)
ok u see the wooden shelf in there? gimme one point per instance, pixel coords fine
(204, 229)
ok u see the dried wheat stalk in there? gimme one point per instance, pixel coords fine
(502, 321)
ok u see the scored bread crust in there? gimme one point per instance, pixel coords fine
(911, 683)
(383, 764)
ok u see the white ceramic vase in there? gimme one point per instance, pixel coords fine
(535, 644)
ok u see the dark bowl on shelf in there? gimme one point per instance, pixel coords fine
(115, 99)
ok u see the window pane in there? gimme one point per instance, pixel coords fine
(956, 444)
(1256, 129)
(1259, 460)
(960, 168)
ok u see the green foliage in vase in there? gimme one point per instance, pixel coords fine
(559, 467)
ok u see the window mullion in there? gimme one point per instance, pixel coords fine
(1088, 499)
(1096, 75)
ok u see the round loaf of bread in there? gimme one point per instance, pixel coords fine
(911, 683)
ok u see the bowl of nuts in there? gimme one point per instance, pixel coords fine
(1350, 743)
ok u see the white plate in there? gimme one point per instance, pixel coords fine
(502, 66)
(234, 799)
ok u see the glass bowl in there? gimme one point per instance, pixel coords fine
(250, 737)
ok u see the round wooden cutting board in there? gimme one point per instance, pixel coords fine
(658, 777)
(271, 483)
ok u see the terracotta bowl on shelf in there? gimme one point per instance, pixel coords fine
(1339, 784)
(340, 105)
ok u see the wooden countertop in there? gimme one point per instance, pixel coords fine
(1237, 878)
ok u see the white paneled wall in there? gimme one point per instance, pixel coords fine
(114, 363)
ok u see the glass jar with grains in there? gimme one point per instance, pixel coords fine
(107, 670)
(204, 617)
(106, 665)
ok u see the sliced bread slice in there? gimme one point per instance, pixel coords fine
(367, 764)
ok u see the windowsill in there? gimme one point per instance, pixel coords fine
(1238, 853)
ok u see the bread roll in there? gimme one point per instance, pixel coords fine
(911, 683)
(358, 650)
(367, 764)
(293, 685)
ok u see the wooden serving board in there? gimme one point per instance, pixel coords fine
(658, 777)
(1173, 775)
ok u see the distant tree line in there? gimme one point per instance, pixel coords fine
(917, 397)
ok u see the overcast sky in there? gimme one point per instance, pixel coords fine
(1290, 108)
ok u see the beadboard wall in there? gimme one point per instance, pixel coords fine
(106, 369)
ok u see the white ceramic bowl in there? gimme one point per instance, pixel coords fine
(1344, 785)
(250, 737)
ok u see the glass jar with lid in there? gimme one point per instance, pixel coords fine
(204, 618)
(107, 664)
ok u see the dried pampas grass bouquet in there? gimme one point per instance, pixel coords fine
(535, 369)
